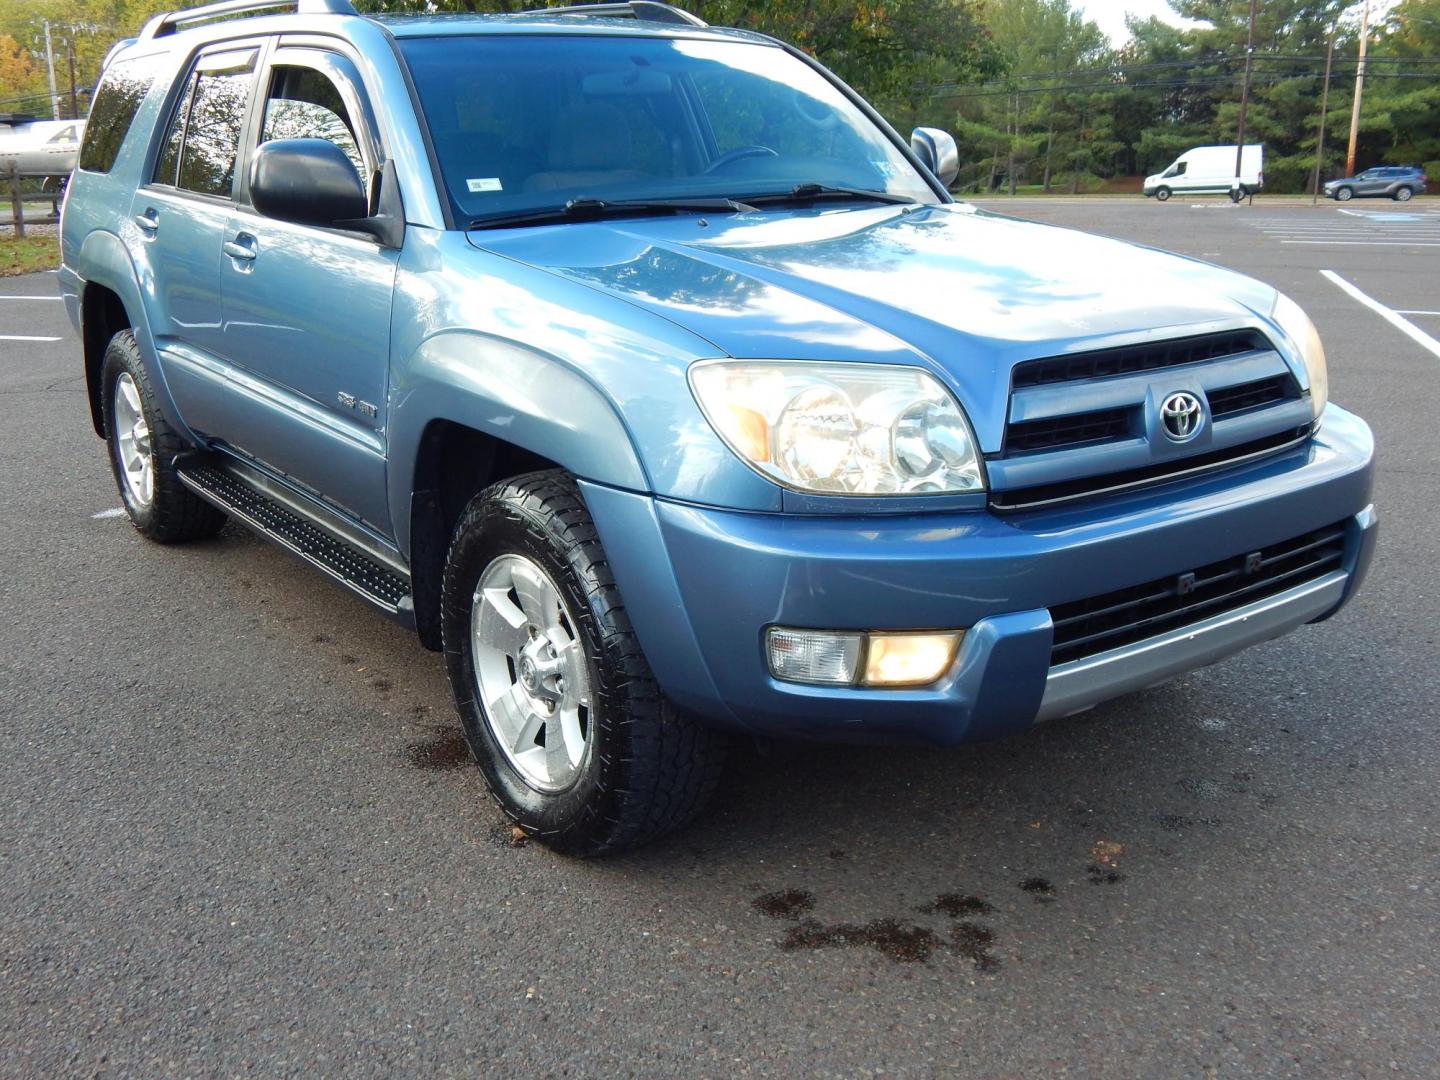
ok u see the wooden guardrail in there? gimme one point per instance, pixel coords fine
(18, 219)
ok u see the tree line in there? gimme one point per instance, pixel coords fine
(1035, 93)
(1074, 112)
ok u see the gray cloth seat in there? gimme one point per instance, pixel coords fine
(590, 146)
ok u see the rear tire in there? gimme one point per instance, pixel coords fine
(1343, 194)
(530, 613)
(1402, 194)
(142, 450)
(1162, 193)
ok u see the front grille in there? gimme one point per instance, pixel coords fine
(1076, 429)
(1028, 498)
(1250, 395)
(1086, 627)
(1129, 359)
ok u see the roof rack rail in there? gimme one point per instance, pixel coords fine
(644, 10)
(171, 21)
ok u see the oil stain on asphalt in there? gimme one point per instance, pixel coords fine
(447, 750)
(955, 905)
(973, 941)
(784, 903)
(1040, 888)
(905, 943)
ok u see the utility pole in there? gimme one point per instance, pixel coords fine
(1050, 126)
(1245, 94)
(1324, 104)
(50, 71)
(70, 59)
(1359, 90)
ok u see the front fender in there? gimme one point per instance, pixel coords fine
(513, 393)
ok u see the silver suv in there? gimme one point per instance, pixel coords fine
(1398, 182)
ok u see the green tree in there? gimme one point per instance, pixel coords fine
(891, 51)
(1029, 125)
(1400, 122)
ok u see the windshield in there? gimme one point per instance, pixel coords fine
(522, 122)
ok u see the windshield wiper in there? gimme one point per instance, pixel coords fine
(811, 192)
(593, 209)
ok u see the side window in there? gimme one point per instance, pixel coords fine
(1180, 167)
(304, 104)
(170, 156)
(203, 139)
(116, 102)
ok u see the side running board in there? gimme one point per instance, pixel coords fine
(257, 502)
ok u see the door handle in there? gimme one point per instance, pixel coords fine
(149, 221)
(242, 247)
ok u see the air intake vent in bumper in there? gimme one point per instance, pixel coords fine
(1099, 623)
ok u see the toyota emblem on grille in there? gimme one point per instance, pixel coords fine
(1180, 415)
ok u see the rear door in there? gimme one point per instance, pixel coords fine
(180, 218)
(307, 309)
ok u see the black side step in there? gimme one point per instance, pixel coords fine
(385, 587)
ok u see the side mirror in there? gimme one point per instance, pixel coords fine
(307, 181)
(938, 151)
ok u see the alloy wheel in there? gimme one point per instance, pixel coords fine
(531, 673)
(132, 441)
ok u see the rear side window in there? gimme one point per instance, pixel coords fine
(203, 139)
(116, 102)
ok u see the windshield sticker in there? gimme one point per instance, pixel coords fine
(483, 183)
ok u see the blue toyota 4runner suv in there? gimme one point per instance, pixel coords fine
(646, 372)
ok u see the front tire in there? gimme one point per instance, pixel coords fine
(1162, 193)
(557, 701)
(1343, 194)
(1403, 194)
(142, 450)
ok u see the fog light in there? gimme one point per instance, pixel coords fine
(829, 657)
(909, 659)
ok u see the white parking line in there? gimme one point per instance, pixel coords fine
(1366, 243)
(23, 337)
(1417, 313)
(30, 298)
(113, 512)
(1404, 325)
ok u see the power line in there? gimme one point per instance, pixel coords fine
(1197, 82)
(1122, 70)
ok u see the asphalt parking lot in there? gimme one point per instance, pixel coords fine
(239, 835)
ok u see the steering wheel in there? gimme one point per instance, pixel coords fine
(738, 154)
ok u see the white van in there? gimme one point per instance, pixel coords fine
(1210, 170)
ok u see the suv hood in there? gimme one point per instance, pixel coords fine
(963, 292)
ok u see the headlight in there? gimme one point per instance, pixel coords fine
(841, 429)
(1306, 339)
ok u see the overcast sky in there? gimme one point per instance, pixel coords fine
(1110, 14)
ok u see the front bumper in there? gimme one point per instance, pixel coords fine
(702, 584)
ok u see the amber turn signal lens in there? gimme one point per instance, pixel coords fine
(909, 659)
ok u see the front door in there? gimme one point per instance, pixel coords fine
(307, 309)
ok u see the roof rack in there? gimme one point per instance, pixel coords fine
(171, 21)
(644, 10)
